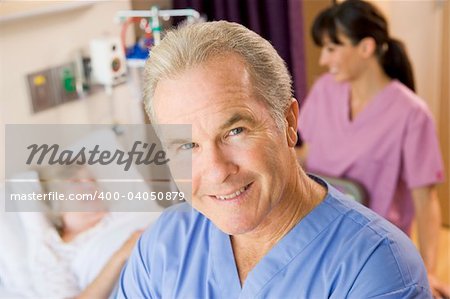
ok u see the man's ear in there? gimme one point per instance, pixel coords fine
(367, 47)
(291, 118)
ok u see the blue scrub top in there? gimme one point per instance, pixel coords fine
(339, 250)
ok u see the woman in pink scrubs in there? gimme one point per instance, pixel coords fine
(362, 121)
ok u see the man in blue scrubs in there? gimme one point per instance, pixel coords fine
(256, 226)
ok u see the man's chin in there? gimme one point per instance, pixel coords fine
(236, 229)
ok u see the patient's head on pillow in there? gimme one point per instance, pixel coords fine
(72, 191)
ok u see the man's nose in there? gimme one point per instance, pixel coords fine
(217, 164)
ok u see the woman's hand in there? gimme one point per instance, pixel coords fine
(103, 284)
(439, 289)
(124, 252)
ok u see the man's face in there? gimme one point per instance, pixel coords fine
(239, 156)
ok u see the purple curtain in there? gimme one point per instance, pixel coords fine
(279, 21)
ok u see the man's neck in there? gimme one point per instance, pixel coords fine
(251, 247)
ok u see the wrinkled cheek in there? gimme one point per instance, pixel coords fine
(195, 203)
(195, 184)
(190, 188)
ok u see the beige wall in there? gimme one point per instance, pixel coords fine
(419, 25)
(31, 44)
(444, 123)
(312, 52)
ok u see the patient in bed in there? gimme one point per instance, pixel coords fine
(77, 248)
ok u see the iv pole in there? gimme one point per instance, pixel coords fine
(154, 14)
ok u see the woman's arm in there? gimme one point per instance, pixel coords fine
(104, 283)
(428, 218)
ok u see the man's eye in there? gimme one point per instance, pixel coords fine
(236, 131)
(187, 146)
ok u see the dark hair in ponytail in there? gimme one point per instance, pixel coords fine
(396, 63)
(357, 20)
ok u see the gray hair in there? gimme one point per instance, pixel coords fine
(191, 45)
(57, 178)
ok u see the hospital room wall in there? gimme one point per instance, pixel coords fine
(33, 43)
(444, 123)
(424, 27)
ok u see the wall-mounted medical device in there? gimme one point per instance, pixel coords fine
(108, 61)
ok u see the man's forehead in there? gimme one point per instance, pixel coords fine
(213, 83)
(222, 119)
(237, 117)
(219, 64)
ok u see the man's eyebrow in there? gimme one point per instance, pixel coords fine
(237, 117)
(176, 141)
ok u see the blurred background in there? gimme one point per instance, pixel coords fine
(80, 62)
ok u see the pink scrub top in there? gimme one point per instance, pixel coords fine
(390, 147)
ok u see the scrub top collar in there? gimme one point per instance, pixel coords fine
(292, 244)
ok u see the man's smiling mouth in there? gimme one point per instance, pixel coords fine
(233, 195)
